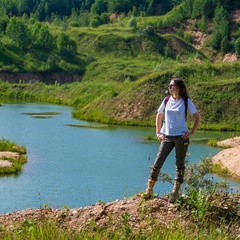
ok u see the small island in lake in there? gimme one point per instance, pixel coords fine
(12, 157)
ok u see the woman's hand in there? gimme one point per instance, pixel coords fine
(187, 135)
(161, 137)
(195, 126)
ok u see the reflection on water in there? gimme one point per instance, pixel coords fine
(76, 163)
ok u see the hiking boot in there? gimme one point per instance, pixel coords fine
(149, 191)
(174, 195)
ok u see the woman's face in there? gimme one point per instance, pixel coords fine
(172, 87)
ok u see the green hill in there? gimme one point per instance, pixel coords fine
(117, 73)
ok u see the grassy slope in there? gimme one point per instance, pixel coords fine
(144, 74)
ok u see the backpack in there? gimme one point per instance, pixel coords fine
(185, 103)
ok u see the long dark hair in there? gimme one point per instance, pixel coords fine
(180, 84)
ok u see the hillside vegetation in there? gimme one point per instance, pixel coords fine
(117, 71)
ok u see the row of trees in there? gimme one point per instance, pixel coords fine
(45, 8)
(36, 36)
(96, 12)
(33, 47)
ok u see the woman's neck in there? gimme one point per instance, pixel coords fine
(176, 96)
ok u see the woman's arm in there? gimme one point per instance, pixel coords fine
(196, 122)
(159, 125)
(197, 117)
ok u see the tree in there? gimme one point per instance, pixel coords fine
(225, 44)
(41, 37)
(187, 8)
(150, 8)
(22, 7)
(132, 22)
(34, 30)
(221, 28)
(88, 4)
(46, 9)
(197, 8)
(18, 32)
(237, 46)
(25, 18)
(42, 9)
(45, 39)
(209, 7)
(99, 7)
(95, 21)
(25, 6)
(104, 18)
(84, 19)
(65, 45)
(203, 24)
(63, 7)
(112, 6)
(118, 6)
(4, 19)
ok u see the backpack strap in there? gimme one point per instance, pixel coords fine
(185, 103)
(186, 106)
(166, 100)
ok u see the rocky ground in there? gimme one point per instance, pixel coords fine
(6, 155)
(103, 214)
(140, 214)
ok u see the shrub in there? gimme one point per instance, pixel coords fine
(212, 142)
(132, 22)
(237, 46)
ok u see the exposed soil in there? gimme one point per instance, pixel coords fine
(8, 155)
(5, 163)
(140, 215)
(28, 77)
(231, 142)
(102, 214)
(229, 158)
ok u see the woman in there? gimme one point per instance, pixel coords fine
(173, 133)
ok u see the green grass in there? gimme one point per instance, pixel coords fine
(32, 230)
(10, 146)
(212, 143)
(220, 170)
(7, 145)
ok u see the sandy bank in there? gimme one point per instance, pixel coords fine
(229, 158)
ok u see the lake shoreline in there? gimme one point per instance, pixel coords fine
(229, 158)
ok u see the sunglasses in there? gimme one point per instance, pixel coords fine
(171, 85)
